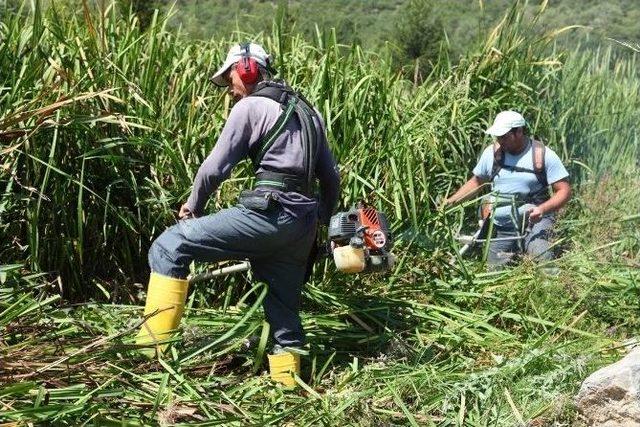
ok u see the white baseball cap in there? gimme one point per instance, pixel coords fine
(504, 122)
(235, 54)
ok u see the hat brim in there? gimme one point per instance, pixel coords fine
(218, 78)
(497, 130)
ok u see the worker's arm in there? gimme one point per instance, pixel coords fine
(561, 195)
(328, 177)
(231, 147)
(467, 190)
(558, 176)
(481, 175)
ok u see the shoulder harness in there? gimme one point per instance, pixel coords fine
(292, 103)
(537, 153)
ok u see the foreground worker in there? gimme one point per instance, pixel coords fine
(274, 224)
(520, 170)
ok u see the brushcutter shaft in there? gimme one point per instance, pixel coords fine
(223, 271)
(470, 239)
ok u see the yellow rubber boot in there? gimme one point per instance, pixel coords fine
(282, 366)
(166, 295)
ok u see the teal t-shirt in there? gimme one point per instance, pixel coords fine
(508, 184)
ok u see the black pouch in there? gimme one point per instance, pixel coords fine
(255, 200)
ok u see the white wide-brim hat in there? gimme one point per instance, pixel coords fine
(235, 54)
(504, 122)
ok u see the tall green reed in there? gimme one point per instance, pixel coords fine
(104, 126)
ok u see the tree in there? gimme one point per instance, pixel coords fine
(143, 9)
(418, 36)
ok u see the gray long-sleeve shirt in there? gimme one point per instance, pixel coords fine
(248, 121)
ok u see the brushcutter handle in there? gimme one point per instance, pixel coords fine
(525, 212)
(185, 212)
(534, 215)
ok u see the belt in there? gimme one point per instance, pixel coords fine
(281, 181)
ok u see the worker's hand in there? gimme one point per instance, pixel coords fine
(535, 214)
(185, 212)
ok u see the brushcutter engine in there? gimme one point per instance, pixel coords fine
(361, 241)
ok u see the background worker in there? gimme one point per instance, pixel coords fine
(520, 171)
(274, 225)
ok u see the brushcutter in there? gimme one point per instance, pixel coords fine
(481, 235)
(360, 241)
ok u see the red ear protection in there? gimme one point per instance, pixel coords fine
(247, 67)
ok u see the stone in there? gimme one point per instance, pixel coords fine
(611, 396)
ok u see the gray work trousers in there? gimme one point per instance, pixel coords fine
(276, 243)
(537, 243)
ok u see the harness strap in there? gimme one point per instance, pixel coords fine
(518, 169)
(262, 146)
(309, 142)
(538, 152)
(292, 102)
(498, 160)
(281, 181)
(538, 161)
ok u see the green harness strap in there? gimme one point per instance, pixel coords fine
(270, 183)
(293, 103)
(273, 133)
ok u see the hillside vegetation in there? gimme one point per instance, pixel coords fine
(371, 23)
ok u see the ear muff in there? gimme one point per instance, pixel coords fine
(247, 67)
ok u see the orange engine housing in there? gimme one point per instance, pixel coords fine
(365, 234)
(375, 237)
(366, 222)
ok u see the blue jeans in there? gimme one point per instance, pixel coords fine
(537, 243)
(276, 243)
